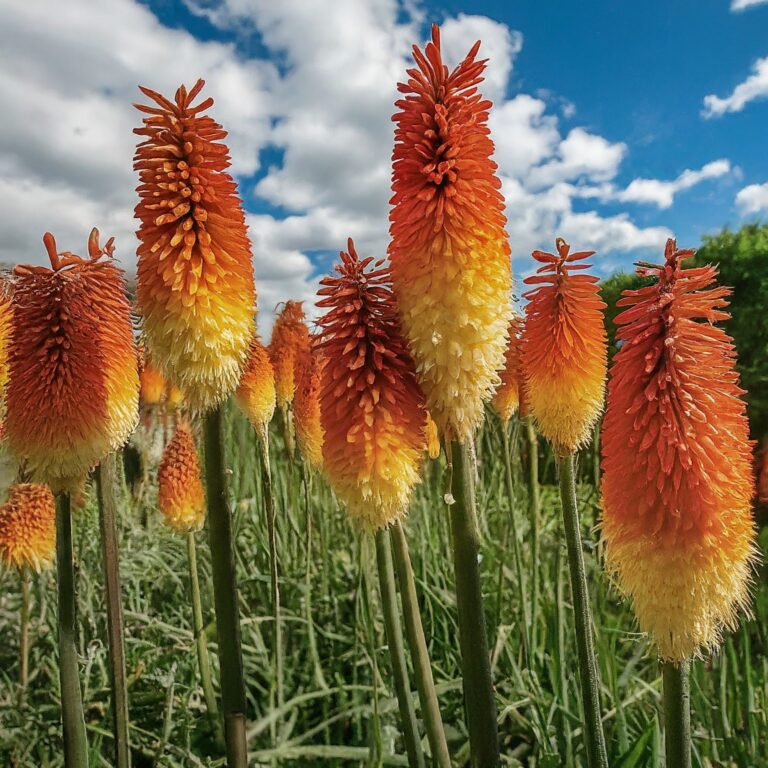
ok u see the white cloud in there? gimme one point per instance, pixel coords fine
(754, 87)
(662, 193)
(742, 5)
(752, 199)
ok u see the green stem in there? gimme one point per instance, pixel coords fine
(414, 633)
(396, 651)
(72, 715)
(24, 631)
(274, 566)
(106, 485)
(516, 554)
(534, 508)
(480, 705)
(585, 644)
(677, 713)
(203, 659)
(225, 592)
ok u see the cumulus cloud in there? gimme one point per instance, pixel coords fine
(754, 87)
(752, 199)
(742, 5)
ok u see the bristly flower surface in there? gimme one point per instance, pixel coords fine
(255, 393)
(181, 496)
(28, 527)
(288, 345)
(195, 287)
(677, 471)
(306, 408)
(371, 407)
(564, 349)
(449, 253)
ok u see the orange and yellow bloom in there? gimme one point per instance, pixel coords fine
(506, 400)
(677, 467)
(289, 343)
(181, 496)
(371, 407)
(73, 387)
(151, 380)
(28, 527)
(449, 253)
(195, 287)
(564, 348)
(256, 392)
(306, 409)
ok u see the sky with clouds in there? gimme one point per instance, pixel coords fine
(615, 124)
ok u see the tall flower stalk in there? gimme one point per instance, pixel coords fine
(372, 413)
(677, 474)
(452, 279)
(72, 398)
(564, 360)
(196, 296)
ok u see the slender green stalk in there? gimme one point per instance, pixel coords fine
(534, 509)
(274, 565)
(414, 633)
(594, 738)
(225, 592)
(516, 555)
(24, 631)
(73, 718)
(106, 482)
(394, 634)
(203, 659)
(677, 713)
(479, 702)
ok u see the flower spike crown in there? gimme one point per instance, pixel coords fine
(449, 253)
(371, 407)
(195, 287)
(73, 385)
(677, 472)
(564, 348)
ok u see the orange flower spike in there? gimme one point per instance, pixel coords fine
(290, 341)
(677, 467)
(152, 383)
(449, 253)
(306, 409)
(28, 527)
(256, 392)
(506, 400)
(181, 497)
(195, 288)
(564, 349)
(73, 386)
(371, 407)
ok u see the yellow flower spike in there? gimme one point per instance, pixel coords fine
(256, 392)
(195, 288)
(506, 400)
(306, 409)
(449, 253)
(564, 349)
(76, 399)
(181, 497)
(371, 407)
(152, 382)
(28, 527)
(677, 467)
(290, 341)
(433, 438)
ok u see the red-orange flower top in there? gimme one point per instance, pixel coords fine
(290, 341)
(371, 407)
(564, 349)
(73, 385)
(677, 470)
(195, 288)
(449, 253)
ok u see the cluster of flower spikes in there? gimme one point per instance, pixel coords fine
(28, 527)
(677, 474)
(289, 344)
(506, 400)
(564, 348)
(180, 492)
(195, 288)
(306, 408)
(371, 407)
(73, 386)
(450, 257)
(255, 393)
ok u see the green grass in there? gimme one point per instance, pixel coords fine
(340, 708)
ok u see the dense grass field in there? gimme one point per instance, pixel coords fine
(339, 706)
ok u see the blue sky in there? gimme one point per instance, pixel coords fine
(616, 123)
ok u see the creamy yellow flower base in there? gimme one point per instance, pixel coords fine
(683, 597)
